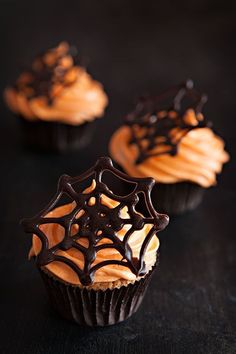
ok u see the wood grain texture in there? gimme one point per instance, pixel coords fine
(133, 48)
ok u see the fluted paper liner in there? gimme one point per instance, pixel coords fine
(177, 198)
(53, 136)
(95, 307)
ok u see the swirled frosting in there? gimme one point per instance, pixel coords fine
(199, 159)
(57, 89)
(108, 273)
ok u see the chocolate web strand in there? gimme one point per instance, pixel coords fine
(145, 117)
(98, 221)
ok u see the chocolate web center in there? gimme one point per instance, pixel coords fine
(95, 221)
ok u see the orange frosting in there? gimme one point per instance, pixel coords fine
(200, 157)
(109, 273)
(74, 97)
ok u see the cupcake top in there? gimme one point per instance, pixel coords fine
(57, 89)
(167, 137)
(99, 237)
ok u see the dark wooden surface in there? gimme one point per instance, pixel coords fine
(132, 48)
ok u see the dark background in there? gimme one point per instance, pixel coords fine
(132, 47)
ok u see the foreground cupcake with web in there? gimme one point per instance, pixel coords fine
(57, 101)
(97, 253)
(167, 137)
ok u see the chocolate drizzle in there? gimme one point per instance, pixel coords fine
(158, 124)
(49, 71)
(97, 221)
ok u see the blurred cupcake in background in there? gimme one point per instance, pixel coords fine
(168, 138)
(57, 101)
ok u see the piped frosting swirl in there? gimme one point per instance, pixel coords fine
(171, 144)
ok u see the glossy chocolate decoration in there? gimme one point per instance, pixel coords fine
(98, 221)
(158, 116)
(38, 80)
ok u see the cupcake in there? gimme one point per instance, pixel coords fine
(168, 138)
(96, 254)
(56, 101)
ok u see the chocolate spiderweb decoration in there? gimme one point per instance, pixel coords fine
(97, 222)
(156, 122)
(40, 78)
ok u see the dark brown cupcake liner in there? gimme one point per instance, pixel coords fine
(55, 137)
(177, 198)
(95, 307)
